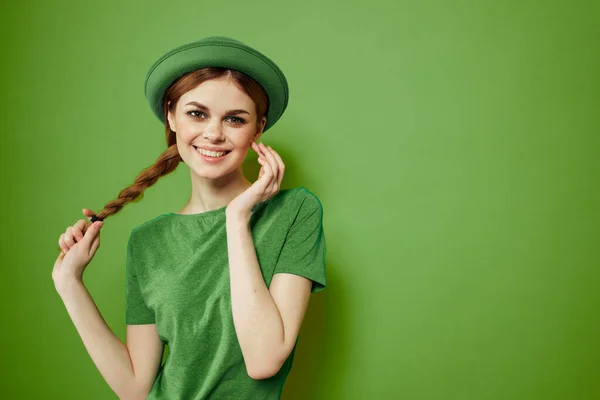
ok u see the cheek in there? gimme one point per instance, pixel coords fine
(185, 132)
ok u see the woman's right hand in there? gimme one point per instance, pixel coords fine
(79, 243)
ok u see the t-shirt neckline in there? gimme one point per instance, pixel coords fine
(210, 213)
(217, 211)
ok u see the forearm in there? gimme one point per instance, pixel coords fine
(257, 321)
(108, 352)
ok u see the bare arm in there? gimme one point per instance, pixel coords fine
(267, 321)
(129, 369)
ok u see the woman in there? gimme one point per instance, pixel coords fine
(226, 280)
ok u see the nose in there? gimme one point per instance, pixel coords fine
(213, 130)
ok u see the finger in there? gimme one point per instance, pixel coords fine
(88, 213)
(267, 173)
(78, 229)
(281, 165)
(68, 238)
(80, 224)
(265, 165)
(270, 163)
(262, 150)
(91, 233)
(274, 166)
(256, 148)
(95, 245)
(261, 172)
(77, 234)
(62, 244)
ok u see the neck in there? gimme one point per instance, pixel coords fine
(210, 194)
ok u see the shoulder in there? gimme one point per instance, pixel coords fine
(289, 205)
(308, 198)
(149, 227)
(293, 199)
(305, 204)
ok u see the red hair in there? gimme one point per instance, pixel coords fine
(169, 159)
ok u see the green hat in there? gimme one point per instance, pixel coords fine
(217, 51)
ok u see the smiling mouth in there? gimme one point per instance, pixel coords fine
(198, 150)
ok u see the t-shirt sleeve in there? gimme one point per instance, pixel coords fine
(136, 310)
(304, 248)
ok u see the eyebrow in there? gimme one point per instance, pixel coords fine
(203, 107)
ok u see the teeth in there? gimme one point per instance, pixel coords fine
(211, 153)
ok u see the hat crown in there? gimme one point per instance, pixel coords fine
(219, 38)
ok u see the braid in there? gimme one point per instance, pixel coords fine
(166, 163)
(170, 158)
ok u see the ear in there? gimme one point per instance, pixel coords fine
(263, 122)
(171, 119)
(258, 133)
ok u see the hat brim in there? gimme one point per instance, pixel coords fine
(217, 52)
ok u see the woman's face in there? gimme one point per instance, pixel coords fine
(216, 114)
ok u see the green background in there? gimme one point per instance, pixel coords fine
(453, 144)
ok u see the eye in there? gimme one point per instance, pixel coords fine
(234, 120)
(194, 111)
(238, 120)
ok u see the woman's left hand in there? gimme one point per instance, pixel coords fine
(267, 185)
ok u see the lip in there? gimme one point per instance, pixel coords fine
(210, 148)
(211, 160)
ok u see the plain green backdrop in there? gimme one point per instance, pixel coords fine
(454, 146)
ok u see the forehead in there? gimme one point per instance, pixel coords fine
(220, 91)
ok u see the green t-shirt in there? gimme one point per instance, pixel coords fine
(178, 278)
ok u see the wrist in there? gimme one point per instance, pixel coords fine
(65, 284)
(241, 217)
